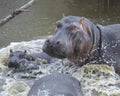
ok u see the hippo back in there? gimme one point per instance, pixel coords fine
(56, 84)
(111, 45)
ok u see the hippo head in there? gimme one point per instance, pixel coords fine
(73, 39)
(15, 58)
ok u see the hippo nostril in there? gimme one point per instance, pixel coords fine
(48, 41)
(58, 43)
(51, 46)
(15, 61)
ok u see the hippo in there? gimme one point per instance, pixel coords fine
(16, 57)
(81, 41)
(56, 84)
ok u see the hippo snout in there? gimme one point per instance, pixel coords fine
(54, 48)
(53, 44)
(13, 62)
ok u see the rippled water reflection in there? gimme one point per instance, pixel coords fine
(42, 16)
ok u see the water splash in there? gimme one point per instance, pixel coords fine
(15, 88)
(96, 80)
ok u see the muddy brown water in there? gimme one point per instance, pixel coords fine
(40, 20)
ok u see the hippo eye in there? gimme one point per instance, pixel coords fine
(59, 25)
(73, 28)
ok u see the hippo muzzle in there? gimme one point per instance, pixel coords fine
(54, 48)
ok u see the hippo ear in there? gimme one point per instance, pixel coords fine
(25, 52)
(11, 51)
(84, 27)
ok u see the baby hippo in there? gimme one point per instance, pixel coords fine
(16, 57)
(56, 85)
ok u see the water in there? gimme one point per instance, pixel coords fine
(96, 80)
(38, 22)
(42, 16)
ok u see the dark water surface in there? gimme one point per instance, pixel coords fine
(42, 16)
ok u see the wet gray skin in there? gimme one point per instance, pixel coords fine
(17, 57)
(82, 42)
(56, 85)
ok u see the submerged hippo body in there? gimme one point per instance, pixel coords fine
(42, 55)
(17, 57)
(82, 42)
(56, 85)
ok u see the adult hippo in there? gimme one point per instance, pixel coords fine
(82, 42)
(56, 85)
(17, 57)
